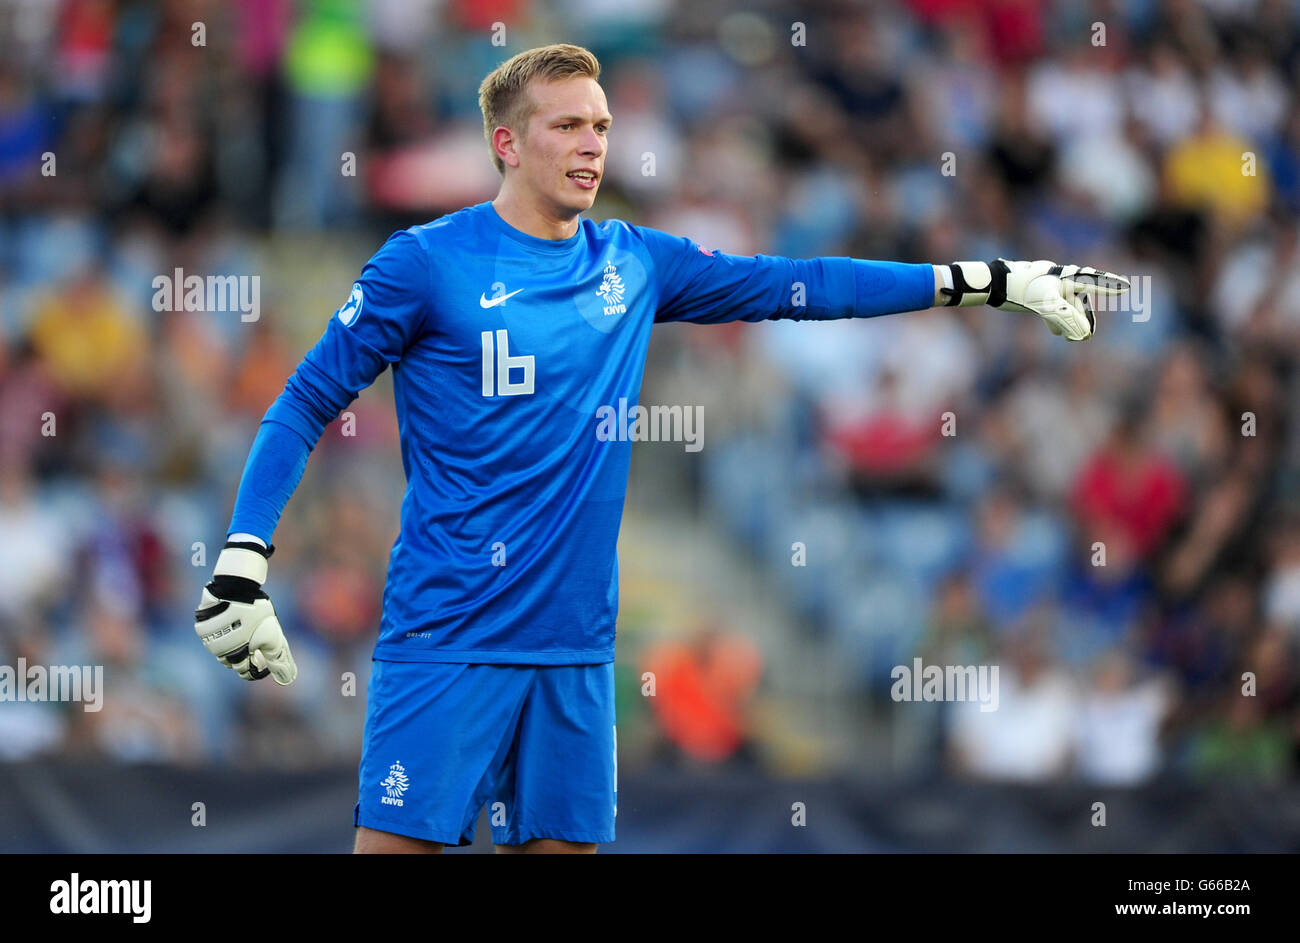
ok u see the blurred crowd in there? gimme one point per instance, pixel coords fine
(1114, 524)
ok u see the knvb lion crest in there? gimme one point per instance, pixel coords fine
(395, 784)
(611, 291)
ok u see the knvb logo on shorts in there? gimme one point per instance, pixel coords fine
(395, 784)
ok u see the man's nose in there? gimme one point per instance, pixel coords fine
(592, 143)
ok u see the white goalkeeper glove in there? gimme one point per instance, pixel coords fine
(235, 620)
(1059, 294)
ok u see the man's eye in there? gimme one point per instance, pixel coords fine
(565, 127)
(601, 128)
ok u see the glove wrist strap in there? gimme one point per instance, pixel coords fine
(246, 561)
(976, 283)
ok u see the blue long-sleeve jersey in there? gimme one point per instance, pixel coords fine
(504, 347)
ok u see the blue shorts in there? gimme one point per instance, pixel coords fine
(535, 743)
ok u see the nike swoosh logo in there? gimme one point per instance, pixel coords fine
(485, 302)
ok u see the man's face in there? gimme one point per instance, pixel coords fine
(562, 155)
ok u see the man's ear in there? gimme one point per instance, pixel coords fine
(503, 145)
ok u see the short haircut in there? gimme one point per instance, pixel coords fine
(503, 96)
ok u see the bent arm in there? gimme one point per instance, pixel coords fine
(288, 433)
(384, 314)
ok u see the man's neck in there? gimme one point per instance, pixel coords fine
(528, 218)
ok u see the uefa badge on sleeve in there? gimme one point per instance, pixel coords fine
(352, 307)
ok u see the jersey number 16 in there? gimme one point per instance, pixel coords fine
(498, 364)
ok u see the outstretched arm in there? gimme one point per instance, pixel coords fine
(710, 287)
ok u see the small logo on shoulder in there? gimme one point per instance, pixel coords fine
(352, 307)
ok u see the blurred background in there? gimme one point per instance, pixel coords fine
(828, 530)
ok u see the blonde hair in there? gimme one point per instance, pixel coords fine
(503, 95)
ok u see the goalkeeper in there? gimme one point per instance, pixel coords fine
(507, 326)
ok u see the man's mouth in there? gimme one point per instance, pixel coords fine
(583, 178)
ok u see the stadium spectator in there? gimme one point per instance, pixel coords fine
(702, 691)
